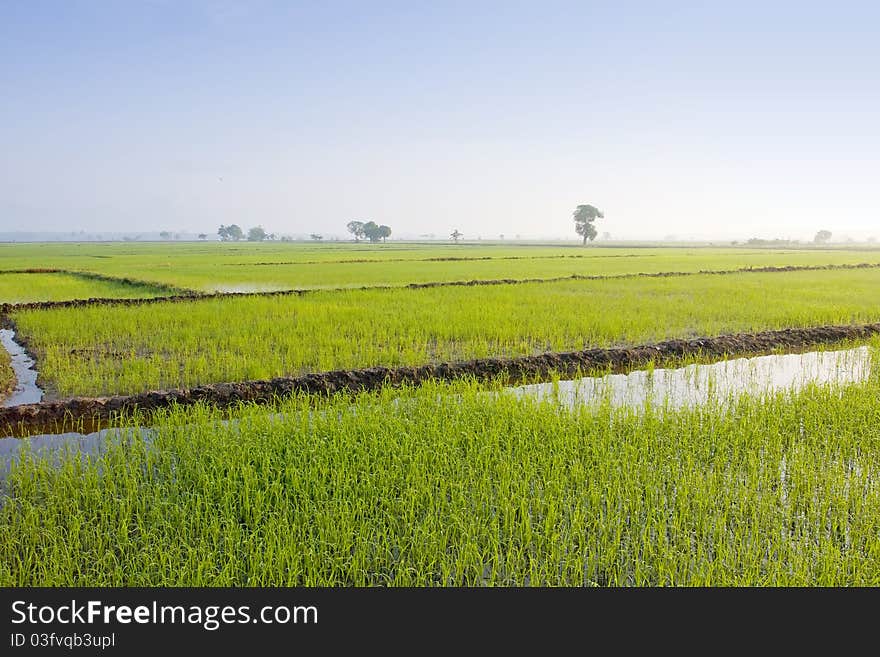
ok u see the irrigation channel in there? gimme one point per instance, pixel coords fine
(682, 387)
(26, 390)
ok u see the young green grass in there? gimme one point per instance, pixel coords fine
(23, 288)
(7, 376)
(103, 350)
(241, 267)
(209, 276)
(449, 486)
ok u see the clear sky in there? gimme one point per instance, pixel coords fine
(687, 118)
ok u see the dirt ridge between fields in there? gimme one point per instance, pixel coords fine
(88, 413)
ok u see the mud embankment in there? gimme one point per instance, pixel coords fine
(90, 414)
(190, 295)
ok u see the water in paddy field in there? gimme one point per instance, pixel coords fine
(26, 390)
(54, 447)
(673, 388)
(698, 384)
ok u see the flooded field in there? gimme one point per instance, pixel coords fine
(700, 384)
(112, 350)
(387, 437)
(686, 387)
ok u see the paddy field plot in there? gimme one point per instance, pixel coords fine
(212, 267)
(448, 483)
(30, 287)
(110, 349)
(449, 486)
(268, 277)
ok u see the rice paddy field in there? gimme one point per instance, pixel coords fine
(459, 483)
(101, 350)
(247, 277)
(229, 267)
(30, 287)
(470, 490)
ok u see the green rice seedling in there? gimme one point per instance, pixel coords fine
(7, 376)
(446, 486)
(254, 267)
(24, 288)
(104, 350)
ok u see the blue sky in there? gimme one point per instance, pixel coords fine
(684, 118)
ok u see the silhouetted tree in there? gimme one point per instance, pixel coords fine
(822, 236)
(584, 218)
(356, 228)
(455, 235)
(371, 231)
(231, 232)
(257, 234)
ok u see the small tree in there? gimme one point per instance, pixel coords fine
(455, 235)
(356, 228)
(584, 218)
(257, 234)
(203, 236)
(316, 237)
(165, 235)
(822, 236)
(384, 232)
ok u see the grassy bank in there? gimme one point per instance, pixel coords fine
(7, 376)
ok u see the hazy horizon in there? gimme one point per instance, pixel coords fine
(727, 122)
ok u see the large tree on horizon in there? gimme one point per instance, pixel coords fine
(584, 218)
(356, 228)
(822, 236)
(231, 232)
(257, 234)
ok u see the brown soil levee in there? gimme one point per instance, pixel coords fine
(92, 413)
(189, 295)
